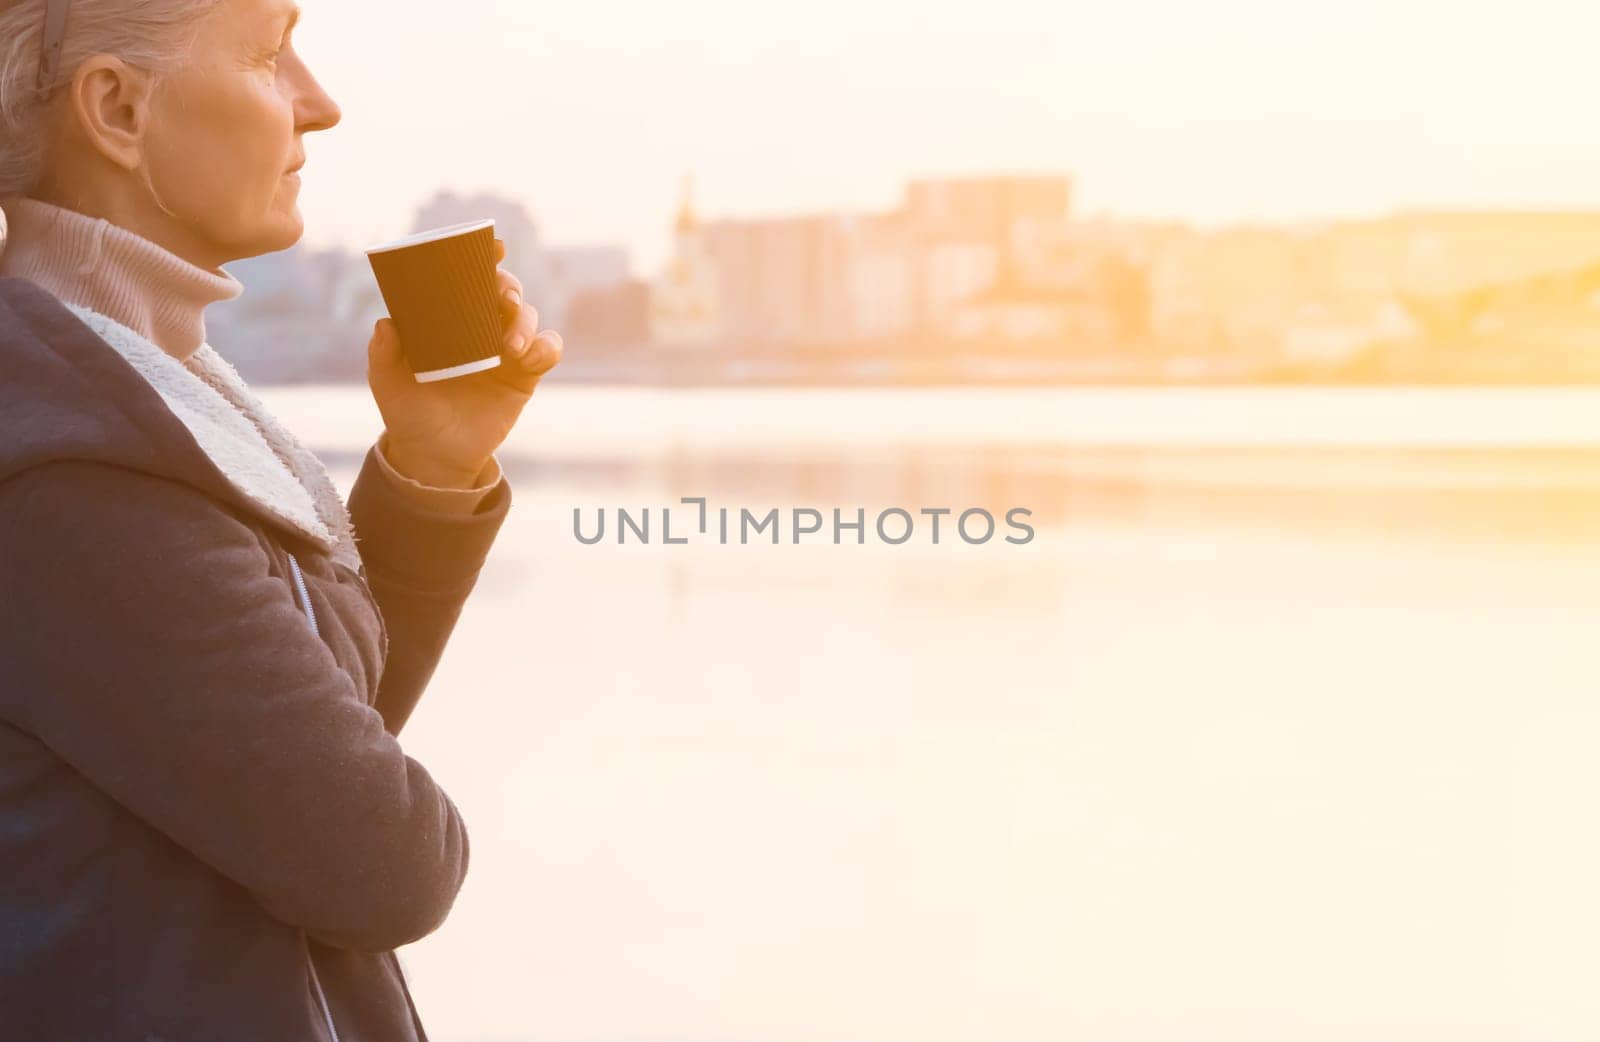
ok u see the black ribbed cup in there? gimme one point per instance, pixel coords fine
(442, 292)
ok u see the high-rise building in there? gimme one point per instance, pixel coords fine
(783, 280)
(970, 235)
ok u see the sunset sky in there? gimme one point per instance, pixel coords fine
(1234, 109)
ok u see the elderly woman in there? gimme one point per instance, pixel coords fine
(209, 831)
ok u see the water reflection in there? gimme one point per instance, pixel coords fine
(1251, 743)
(1461, 493)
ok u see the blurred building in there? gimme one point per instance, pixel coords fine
(599, 322)
(1330, 335)
(995, 265)
(822, 279)
(683, 302)
(969, 235)
(304, 315)
(1102, 311)
(881, 277)
(783, 280)
(576, 270)
(1542, 327)
(1231, 292)
(1325, 291)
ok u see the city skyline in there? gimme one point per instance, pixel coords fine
(591, 115)
(996, 277)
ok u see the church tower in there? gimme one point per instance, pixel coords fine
(683, 301)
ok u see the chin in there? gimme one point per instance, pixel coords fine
(296, 229)
(284, 231)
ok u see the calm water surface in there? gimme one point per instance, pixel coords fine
(1282, 726)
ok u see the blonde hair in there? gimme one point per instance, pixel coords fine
(155, 35)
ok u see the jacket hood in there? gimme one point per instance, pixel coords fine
(81, 386)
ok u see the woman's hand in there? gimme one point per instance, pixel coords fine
(443, 433)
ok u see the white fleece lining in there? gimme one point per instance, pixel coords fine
(256, 453)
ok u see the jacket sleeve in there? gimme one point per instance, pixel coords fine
(445, 500)
(420, 561)
(146, 644)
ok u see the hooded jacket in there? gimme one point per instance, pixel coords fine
(209, 831)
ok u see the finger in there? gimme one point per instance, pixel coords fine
(384, 347)
(544, 354)
(521, 333)
(385, 361)
(511, 294)
(500, 249)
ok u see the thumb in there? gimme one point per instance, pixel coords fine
(385, 362)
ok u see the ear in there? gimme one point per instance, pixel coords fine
(110, 102)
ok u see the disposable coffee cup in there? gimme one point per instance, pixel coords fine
(442, 292)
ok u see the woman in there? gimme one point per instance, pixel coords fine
(208, 829)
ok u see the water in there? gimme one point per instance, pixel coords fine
(1281, 727)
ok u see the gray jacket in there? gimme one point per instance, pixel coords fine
(209, 831)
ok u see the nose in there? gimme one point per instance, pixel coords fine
(316, 108)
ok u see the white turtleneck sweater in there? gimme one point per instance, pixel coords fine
(95, 264)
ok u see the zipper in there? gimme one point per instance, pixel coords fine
(311, 617)
(322, 999)
(305, 598)
(394, 959)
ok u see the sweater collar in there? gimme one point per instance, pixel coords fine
(99, 265)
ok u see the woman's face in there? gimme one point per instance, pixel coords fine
(225, 133)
